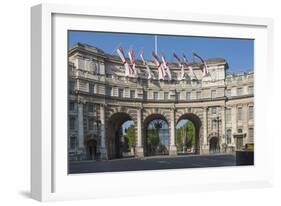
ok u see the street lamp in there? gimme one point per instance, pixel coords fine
(218, 120)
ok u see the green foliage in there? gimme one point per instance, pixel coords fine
(185, 136)
(152, 137)
(131, 136)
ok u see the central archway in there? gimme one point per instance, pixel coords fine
(156, 135)
(116, 146)
(191, 124)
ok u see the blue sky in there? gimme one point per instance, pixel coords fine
(239, 53)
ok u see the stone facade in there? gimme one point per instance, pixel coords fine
(101, 99)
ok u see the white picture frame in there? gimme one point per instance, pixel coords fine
(49, 178)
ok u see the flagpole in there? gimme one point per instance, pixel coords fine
(155, 44)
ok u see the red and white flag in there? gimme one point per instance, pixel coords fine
(128, 69)
(205, 67)
(149, 73)
(161, 71)
(132, 59)
(165, 65)
(192, 74)
(182, 76)
(177, 58)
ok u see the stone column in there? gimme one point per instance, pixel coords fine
(233, 122)
(80, 126)
(205, 148)
(103, 149)
(172, 146)
(139, 146)
(81, 151)
(245, 123)
(223, 135)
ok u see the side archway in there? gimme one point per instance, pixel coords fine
(214, 144)
(197, 124)
(115, 146)
(156, 135)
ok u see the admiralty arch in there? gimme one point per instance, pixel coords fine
(101, 99)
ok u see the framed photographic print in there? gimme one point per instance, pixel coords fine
(138, 100)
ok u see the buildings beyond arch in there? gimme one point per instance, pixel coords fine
(101, 98)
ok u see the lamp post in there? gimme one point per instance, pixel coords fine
(218, 120)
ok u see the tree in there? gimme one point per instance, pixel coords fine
(153, 140)
(185, 136)
(131, 136)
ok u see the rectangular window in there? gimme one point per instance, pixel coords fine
(71, 86)
(250, 90)
(91, 88)
(214, 125)
(228, 114)
(144, 94)
(155, 95)
(121, 91)
(251, 112)
(239, 114)
(166, 95)
(91, 124)
(178, 95)
(188, 95)
(214, 110)
(132, 94)
(71, 106)
(213, 94)
(90, 107)
(228, 93)
(72, 142)
(72, 123)
(239, 91)
(251, 134)
(198, 95)
(109, 91)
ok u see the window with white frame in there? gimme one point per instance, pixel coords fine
(228, 93)
(239, 91)
(121, 92)
(132, 94)
(188, 96)
(155, 95)
(213, 94)
(214, 110)
(166, 95)
(239, 114)
(228, 114)
(198, 95)
(250, 90)
(214, 124)
(178, 95)
(251, 112)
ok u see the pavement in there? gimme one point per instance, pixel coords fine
(153, 163)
